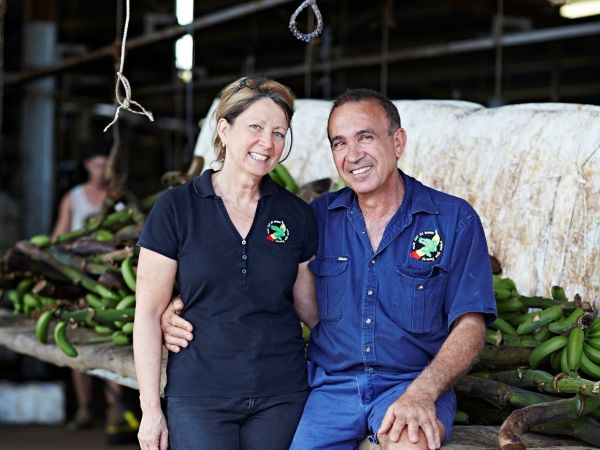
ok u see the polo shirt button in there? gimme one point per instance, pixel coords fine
(368, 349)
(369, 292)
(244, 257)
(244, 271)
(243, 241)
(368, 321)
(420, 287)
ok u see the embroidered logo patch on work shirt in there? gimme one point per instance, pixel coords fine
(277, 231)
(427, 246)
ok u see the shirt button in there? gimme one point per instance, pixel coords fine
(243, 241)
(368, 321)
(372, 261)
(369, 292)
(368, 349)
(420, 287)
(244, 271)
(370, 369)
(244, 257)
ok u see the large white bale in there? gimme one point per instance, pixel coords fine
(532, 172)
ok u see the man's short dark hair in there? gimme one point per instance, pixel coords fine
(363, 95)
(96, 149)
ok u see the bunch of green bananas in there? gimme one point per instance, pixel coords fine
(560, 333)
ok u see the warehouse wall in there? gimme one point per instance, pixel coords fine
(532, 172)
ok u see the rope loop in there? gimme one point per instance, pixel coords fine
(126, 102)
(307, 37)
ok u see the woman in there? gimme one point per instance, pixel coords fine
(238, 246)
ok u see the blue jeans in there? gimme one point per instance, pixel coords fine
(343, 408)
(223, 423)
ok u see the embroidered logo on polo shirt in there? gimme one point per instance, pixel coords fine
(277, 232)
(427, 246)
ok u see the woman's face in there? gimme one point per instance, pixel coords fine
(255, 141)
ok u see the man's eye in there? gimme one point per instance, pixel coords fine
(366, 138)
(337, 145)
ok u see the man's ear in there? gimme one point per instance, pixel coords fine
(223, 129)
(399, 142)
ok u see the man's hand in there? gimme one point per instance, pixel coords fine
(415, 411)
(177, 332)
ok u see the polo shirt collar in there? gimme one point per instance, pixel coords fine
(414, 191)
(204, 188)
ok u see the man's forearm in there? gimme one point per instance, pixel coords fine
(455, 358)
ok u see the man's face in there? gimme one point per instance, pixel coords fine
(364, 153)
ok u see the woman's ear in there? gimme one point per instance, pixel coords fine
(223, 129)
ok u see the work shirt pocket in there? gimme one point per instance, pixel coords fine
(331, 276)
(419, 301)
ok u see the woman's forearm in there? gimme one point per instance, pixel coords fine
(147, 349)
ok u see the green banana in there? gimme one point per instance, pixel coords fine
(561, 325)
(127, 302)
(461, 417)
(105, 292)
(127, 328)
(31, 302)
(504, 326)
(592, 353)
(509, 305)
(120, 338)
(539, 320)
(497, 338)
(594, 342)
(575, 349)
(564, 366)
(545, 349)
(60, 336)
(103, 330)
(40, 240)
(128, 273)
(555, 360)
(502, 293)
(42, 325)
(104, 236)
(542, 334)
(589, 367)
(94, 301)
(506, 283)
(595, 326)
(13, 296)
(288, 181)
(558, 293)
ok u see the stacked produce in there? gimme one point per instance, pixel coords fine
(539, 370)
(86, 278)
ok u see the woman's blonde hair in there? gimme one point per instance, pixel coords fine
(236, 97)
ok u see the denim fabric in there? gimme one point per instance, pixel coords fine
(222, 423)
(343, 408)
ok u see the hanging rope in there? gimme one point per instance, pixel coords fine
(307, 37)
(126, 103)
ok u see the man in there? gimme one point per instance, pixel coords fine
(404, 290)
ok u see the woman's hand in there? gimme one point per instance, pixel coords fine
(153, 433)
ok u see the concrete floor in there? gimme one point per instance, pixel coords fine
(23, 437)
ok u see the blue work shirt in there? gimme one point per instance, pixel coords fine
(391, 309)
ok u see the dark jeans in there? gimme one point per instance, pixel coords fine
(258, 423)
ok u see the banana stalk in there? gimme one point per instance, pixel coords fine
(521, 420)
(545, 382)
(504, 358)
(585, 429)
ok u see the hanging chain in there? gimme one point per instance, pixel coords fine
(125, 102)
(307, 37)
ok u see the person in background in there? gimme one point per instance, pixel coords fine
(404, 288)
(238, 246)
(78, 204)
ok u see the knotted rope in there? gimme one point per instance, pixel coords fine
(307, 37)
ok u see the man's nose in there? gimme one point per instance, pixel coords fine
(354, 152)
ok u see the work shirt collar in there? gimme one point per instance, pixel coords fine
(416, 198)
(204, 188)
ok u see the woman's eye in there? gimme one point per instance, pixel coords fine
(255, 126)
(279, 135)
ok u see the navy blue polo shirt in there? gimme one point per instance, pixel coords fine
(391, 310)
(238, 293)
